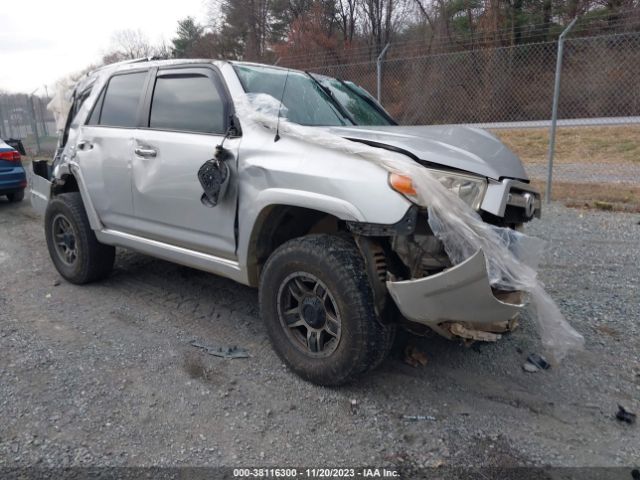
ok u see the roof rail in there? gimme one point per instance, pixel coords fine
(126, 62)
(144, 59)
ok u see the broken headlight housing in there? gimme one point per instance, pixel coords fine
(469, 188)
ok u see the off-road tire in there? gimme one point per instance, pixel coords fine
(16, 196)
(94, 260)
(388, 333)
(337, 262)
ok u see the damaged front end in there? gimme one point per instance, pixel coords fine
(409, 265)
(458, 302)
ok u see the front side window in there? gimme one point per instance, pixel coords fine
(120, 107)
(190, 103)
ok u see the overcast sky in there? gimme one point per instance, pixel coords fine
(42, 41)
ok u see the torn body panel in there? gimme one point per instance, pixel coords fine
(40, 187)
(458, 294)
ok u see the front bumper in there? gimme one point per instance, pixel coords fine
(513, 197)
(459, 295)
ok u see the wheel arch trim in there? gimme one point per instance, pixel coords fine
(92, 214)
(283, 197)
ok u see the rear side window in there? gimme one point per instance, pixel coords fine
(190, 103)
(120, 107)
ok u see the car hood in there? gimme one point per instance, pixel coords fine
(463, 148)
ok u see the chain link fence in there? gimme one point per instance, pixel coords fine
(25, 117)
(509, 90)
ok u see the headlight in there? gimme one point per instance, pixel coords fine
(469, 188)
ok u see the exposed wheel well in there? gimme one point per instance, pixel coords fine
(69, 184)
(278, 224)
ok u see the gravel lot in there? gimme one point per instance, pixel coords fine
(105, 375)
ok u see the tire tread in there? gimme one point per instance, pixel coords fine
(372, 339)
(98, 261)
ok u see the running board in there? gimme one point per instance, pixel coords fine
(184, 256)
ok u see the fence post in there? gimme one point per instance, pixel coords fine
(8, 131)
(43, 123)
(34, 124)
(554, 109)
(379, 71)
(5, 127)
(2, 128)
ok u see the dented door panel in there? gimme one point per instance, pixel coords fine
(104, 157)
(167, 194)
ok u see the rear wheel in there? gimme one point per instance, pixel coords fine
(16, 196)
(73, 247)
(317, 305)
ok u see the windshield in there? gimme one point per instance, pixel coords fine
(357, 101)
(311, 100)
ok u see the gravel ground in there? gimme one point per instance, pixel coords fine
(104, 374)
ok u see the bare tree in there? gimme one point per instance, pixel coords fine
(128, 45)
(379, 20)
(132, 44)
(347, 10)
(163, 49)
(257, 33)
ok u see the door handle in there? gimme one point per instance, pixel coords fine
(145, 152)
(82, 145)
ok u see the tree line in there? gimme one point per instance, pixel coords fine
(268, 30)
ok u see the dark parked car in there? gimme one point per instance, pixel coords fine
(13, 178)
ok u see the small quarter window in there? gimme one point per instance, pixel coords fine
(190, 103)
(120, 108)
(95, 113)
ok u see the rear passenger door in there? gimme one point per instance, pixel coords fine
(187, 111)
(105, 145)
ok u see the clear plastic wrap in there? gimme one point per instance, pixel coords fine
(512, 257)
(60, 103)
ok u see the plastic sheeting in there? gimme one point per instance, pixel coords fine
(60, 103)
(512, 257)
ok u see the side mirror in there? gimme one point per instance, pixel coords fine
(214, 178)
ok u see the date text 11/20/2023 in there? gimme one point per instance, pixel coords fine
(314, 473)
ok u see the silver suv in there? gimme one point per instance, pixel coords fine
(156, 157)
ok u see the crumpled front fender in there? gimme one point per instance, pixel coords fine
(459, 294)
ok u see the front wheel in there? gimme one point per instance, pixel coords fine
(317, 305)
(73, 247)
